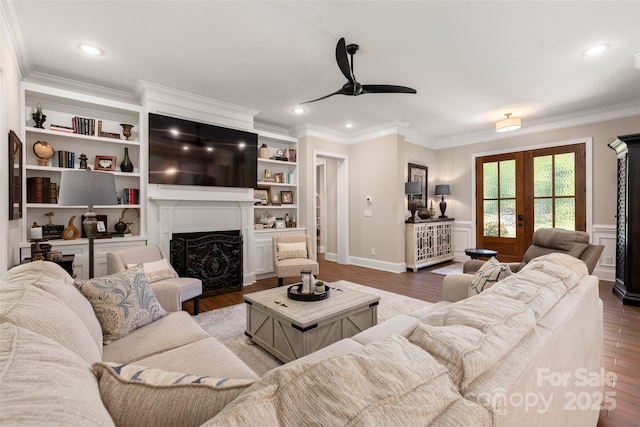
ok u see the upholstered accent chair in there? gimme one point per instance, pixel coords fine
(170, 289)
(292, 254)
(550, 240)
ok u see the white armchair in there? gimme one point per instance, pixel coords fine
(171, 292)
(292, 254)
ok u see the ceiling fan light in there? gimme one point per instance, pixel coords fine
(508, 124)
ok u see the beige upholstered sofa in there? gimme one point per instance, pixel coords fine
(515, 354)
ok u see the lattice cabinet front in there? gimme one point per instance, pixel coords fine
(428, 242)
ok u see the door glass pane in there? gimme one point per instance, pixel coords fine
(566, 213)
(508, 218)
(564, 174)
(543, 213)
(490, 179)
(491, 218)
(508, 179)
(542, 176)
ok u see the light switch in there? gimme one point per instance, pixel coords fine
(368, 212)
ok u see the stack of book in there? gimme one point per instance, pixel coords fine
(285, 177)
(66, 159)
(84, 126)
(38, 189)
(60, 128)
(130, 196)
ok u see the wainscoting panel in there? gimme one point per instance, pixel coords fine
(605, 234)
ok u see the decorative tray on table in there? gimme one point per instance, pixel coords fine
(294, 293)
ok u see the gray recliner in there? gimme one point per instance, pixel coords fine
(549, 240)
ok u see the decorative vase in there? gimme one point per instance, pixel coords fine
(263, 151)
(424, 213)
(126, 130)
(126, 165)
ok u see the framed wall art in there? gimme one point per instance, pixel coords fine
(15, 176)
(419, 173)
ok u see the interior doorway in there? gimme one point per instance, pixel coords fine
(330, 210)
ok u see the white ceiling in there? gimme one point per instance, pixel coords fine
(470, 62)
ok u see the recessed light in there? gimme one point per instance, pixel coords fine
(596, 50)
(90, 50)
(348, 125)
(298, 110)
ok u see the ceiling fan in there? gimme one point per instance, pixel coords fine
(352, 87)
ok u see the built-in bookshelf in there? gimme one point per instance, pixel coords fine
(79, 131)
(277, 186)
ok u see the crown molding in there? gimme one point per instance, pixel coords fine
(309, 129)
(81, 87)
(12, 28)
(586, 117)
(166, 100)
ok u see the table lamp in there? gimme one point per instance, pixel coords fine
(412, 189)
(87, 188)
(443, 190)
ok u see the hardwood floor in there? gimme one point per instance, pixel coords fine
(621, 325)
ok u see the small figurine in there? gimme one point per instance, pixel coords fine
(83, 161)
(49, 215)
(38, 117)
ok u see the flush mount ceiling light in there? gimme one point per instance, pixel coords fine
(596, 50)
(508, 124)
(298, 110)
(90, 50)
(348, 125)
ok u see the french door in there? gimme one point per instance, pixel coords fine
(519, 192)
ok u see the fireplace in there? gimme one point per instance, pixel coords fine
(215, 257)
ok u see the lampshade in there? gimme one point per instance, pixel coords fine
(87, 188)
(412, 188)
(442, 190)
(508, 124)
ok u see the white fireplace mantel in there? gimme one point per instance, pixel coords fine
(177, 211)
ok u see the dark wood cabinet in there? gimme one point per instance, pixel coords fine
(627, 284)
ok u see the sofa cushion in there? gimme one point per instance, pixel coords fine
(470, 336)
(207, 357)
(32, 308)
(156, 270)
(123, 302)
(43, 383)
(154, 338)
(292, 250)
(53, 279)
(390, 380)
(488, 275)
(135, 395)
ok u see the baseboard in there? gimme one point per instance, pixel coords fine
(331, 256)
(392, 267)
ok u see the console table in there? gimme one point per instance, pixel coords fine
(428, 242)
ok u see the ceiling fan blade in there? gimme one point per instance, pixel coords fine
(343, 60)
(338, 92)
(387, 89)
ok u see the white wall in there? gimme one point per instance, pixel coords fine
(9, 120)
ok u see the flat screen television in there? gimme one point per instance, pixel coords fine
(184, 152)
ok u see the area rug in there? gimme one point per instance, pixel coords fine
(228, 325)
(455, 268)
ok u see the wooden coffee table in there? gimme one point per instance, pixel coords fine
(290, 329)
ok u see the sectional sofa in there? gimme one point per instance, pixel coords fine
(527, 351)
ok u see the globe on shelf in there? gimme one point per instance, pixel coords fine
(43, 151)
